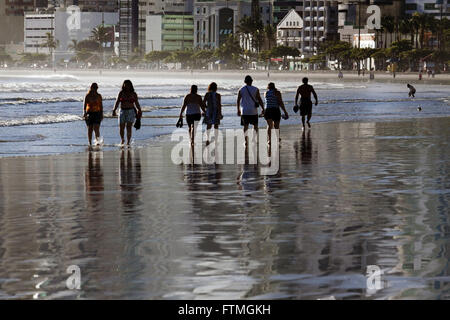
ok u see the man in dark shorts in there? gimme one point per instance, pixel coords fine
(305, 91)
(250, 99)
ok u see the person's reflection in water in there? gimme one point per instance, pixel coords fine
(130, 179)
(94, 181)
(303, 151)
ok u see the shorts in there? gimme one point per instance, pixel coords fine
(93, 118)
(127, 116)
(272, 114)
(305, 107)
(191, 118)
(249, 119)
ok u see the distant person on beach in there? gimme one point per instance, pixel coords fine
(274, 102)
(412, 90)
(340, 74)
(305, 91)
(213, 103)
(129, 109)
(193, 104)
(372, 74)
(93, 113)
(250, 99)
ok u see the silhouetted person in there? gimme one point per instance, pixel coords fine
(305, 91)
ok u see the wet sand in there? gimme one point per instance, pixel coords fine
(347, 195)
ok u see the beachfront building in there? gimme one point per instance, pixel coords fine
(214, 21)
(65, 27)
(169, 32)
(11, 19)
(70, 28)
(289, 30)
(437, 8)
(159, 7)
(352, 18)
(128, 27)
(36, 27)
(320, 23)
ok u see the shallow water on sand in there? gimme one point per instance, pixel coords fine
(348, 195)
(41, 113)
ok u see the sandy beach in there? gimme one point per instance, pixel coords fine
(348, 195)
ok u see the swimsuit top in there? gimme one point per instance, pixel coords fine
(130, 99)
(193, 108)
(94, 105)
(271, 99)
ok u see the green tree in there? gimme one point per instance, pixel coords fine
(270, 33)
(50, 43)
(230, 52)
(156, 57)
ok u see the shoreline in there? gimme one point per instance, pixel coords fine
(165, 138)
(257, 74)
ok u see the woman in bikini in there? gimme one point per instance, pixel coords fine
(213, 103)
(129, 108)
(93, 113)
(192, 103)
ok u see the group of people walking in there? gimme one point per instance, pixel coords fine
(195, 106)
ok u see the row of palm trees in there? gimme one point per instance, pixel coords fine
(415, 27)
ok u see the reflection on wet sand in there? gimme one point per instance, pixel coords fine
(94, 181)
(130, 179)
(348, 195)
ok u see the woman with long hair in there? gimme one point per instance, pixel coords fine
(213, 102)
(93, 113)
(274, 102)
(193, 104)
(129, 109)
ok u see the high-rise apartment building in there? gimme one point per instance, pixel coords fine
(282, 8)
(437, 8)
(352, 19)
(159, 7)
(320, 23)
(128, 27)
(214, 21)
(18, 7)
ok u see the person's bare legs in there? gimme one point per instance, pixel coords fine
(191, 133)
(90, 129)
(122, 132)
(309, 118)
(245, 134)
(97, 131)
(276, 125)
(208, 132)
(269, 130)
(303, 122)
(129, 132)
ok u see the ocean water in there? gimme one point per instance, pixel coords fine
(41, 113)
(369, 186)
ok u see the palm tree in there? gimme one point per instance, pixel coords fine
(271, 35)
(73, 46)
(50, 43)
(415, 21)
(388, 25)
(101, 35)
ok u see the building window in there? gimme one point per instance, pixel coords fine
(411, 6)
(430, 6)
